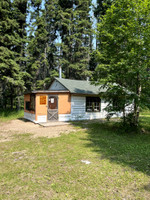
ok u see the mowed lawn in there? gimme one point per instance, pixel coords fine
(52, 168)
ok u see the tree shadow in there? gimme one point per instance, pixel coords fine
(147, 187)
(113, 143)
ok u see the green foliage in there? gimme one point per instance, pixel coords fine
(123, 53)
(101, 7)
(36, 37)
(100, 10)
(75, 30)
(11, 77)
(41, 46)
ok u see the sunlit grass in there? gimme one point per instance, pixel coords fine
(8, 114)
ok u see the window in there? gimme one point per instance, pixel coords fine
(30, 105)
(27, 105)
(93, 104)
(32, 102)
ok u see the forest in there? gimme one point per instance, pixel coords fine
(38, 36)
(105, 40)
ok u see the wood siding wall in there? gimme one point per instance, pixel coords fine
(41, 110)
(64, 104)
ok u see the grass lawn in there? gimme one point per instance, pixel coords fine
(42, 168)
(7, 115)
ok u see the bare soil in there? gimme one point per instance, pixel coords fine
(21, 126)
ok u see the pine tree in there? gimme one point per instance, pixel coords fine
(82, 38)
(65, 32)
(20, 15)
(101, 8)
(75, 32)
(10, 77)
(41, 46)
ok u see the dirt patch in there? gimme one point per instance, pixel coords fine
(8, 129)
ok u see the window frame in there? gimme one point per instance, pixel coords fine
(32, 102)
(30, 105)
(93, 104)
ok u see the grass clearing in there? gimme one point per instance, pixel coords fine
(8, 114)
(43, 168)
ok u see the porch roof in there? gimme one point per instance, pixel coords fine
(48, 91)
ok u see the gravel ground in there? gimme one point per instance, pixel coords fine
(21, 126)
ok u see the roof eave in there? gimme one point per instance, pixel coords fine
(49, 91)
(91, 94)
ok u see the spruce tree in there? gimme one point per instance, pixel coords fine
(101, 8)
(41, 46)
(82, 39)
(20, 15)
(75, 32)
(10, 77)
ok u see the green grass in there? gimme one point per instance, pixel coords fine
(8, 114)
(45, 168)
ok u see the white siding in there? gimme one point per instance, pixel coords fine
(78, 110)
(41, 118)
(64, 117)
(29, 116)
(56, 86)
(78, 105)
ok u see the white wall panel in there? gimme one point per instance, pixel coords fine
(41, 118)
(29, 116)
(78, 109)
(64, 117)
(78, 105)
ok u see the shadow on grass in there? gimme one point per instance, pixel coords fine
(114, 144)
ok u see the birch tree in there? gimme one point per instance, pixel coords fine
(123, 55)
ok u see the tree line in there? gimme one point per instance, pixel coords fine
(38, 36)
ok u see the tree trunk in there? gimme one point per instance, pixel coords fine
(3, 96)
(124, 115)
(138, 107)
(18, 104)
(136, 101)
(11, 102)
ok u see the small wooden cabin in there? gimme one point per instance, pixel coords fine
(65, 100)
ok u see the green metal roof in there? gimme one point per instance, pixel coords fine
(80, 86)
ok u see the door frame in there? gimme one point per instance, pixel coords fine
(56, 96)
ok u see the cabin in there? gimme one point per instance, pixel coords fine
(65, 100)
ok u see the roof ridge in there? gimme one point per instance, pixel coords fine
(71, 79)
